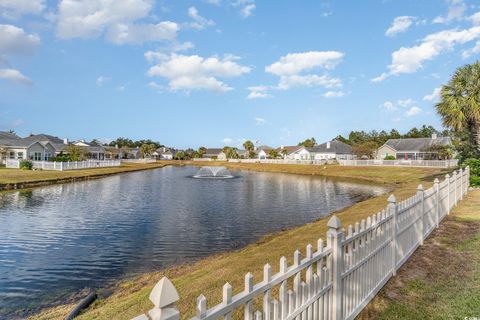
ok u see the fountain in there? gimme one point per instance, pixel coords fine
(213, 173)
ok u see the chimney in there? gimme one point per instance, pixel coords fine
(282, 147)
(65, 140)
(328, 145)
(434, 136)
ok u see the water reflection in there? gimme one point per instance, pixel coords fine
(59, 239)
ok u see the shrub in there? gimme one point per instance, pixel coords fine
(389, 158)
(26, 164)
(474, 165)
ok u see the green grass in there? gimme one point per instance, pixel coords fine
(442, 279)
(207, 276)
(18, 176)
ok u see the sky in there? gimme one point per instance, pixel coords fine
(217, 72)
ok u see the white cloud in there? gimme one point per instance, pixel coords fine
(290, 69)
(433, 96)
(246, 7)
(294, 63)
(199, 22)
(14, 76)
(389, 106)
(14, 9)
(214, 2)
(115, 19)
(456, 8)
(227, 141)
(413, 111)
(14, 40)
(155, 86)
(470, 52)
(195, 72)
(399, 25)
(101, 80)
(310, 80)
(121, 88)
(475, 19)
(406, 103)
(411, 59)
(258, 92)
(139, 33)
(260, 121)
(334, 94)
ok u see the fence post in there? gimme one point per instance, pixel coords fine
(436, 187)
(163, 296)
(455, 176)
(392, 210)
(421, 195)
(447, 177)
(468, 179)
(335, 237)
(462, 177)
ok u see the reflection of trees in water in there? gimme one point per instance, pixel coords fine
(22, 199)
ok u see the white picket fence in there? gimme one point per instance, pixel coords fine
(401, 163)
(146, 160)
(283, 161)
(339, 278)
(63, 166)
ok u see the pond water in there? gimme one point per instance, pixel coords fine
(57, 240)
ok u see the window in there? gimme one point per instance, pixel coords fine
(11, 155)
(36, 156)
(20, 155)
(48, 155)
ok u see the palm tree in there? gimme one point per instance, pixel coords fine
(459, 104)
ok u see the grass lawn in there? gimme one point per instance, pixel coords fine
(442, 278)
(18, 176)
(207, 276)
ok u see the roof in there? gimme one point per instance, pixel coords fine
(264, 148)
(213, 151)
(100, 149)
(336, 147)
(8, 135)
(43, 137)
(290, 149)
(417, 144)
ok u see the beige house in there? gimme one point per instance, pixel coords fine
(412, 148)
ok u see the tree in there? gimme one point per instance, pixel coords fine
(146, 150)
(76, 153)
(438, 151)
(181, 155)
(308, 143)
(342, 139)
(365, 149)
(459, 104)
(94, 142)
(284, 152)
(201, 151)
(248, 145)
(273, 154)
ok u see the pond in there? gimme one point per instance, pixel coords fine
(57, 240)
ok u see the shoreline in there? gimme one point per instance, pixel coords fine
(129, 296)
(77, 175)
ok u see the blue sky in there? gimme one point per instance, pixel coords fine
(216, 72)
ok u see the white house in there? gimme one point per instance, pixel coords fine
(326, 151)
(14, 147)
(163, 153)
(263, 152)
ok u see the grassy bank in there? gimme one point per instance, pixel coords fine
(442, 278)
(207, 276)
(17, 179)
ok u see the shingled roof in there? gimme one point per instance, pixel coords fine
(417, 144)
(336, 147)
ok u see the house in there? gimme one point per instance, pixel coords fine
(17, 148)
(412, 148)
(263, 152)
(163, 153)
(288, 152)
(212, 153)
(134, 153)
(329, 150)
(95, 152)
(113, 153)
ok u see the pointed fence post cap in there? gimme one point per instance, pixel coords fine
(164, 293)
(334, 223)
(392, 199)
(420, 187)
(436, 180)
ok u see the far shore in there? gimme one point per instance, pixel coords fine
(129, 298)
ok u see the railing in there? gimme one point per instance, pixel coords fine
(62, 166)
(401, 163)
(337, 280)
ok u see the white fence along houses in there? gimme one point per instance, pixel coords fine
(338, 279)
(62, 166)
(401, 163)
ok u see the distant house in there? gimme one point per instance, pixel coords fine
(134, 153)
(263, 152)
(113, 153)
(38, 148)
(94, 152)
(412, 148)
(212, 153)
(286, 152)
(329, 150)
(163, 153)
